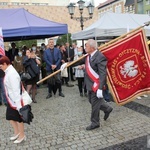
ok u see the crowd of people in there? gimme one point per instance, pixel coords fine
(90, 74)
(46, 60)
(39, 62)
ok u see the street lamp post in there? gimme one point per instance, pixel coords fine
(71, 8)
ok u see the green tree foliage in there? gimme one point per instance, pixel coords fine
(28, 43)
(64, 38)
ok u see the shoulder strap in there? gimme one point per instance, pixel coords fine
(21, 87)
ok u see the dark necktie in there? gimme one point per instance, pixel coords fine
(90, 58)
(52, 54)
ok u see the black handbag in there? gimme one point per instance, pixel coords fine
(26, 114)
(25, 76)
(54, 79)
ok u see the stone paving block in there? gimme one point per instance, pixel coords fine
(60, 123)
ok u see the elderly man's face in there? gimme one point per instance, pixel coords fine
(88, 48)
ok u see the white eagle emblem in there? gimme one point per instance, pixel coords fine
(129, 69)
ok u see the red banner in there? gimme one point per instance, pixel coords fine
(2, 51)
(128, 67)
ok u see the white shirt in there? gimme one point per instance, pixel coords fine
(79, 73)
(12, 86)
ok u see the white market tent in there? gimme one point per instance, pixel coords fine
(113, 25)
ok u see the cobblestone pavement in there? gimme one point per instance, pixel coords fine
(59, 124)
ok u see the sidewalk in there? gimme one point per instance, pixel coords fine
(59, 124)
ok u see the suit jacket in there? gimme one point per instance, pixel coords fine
(64, 56)
(31, 66)
(48, 58)
(70, 53)
(98, 63)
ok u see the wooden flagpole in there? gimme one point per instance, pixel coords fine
(110, 42)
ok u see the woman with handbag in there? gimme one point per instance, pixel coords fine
(12, 90)
(31, 62)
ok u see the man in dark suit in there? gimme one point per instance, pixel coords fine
(95, 76)
(52, 57)
(11, 53)
(70, 55)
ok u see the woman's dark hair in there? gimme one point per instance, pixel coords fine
(4, 59)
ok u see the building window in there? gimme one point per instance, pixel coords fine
(3, 3)
(36, 4)
(118, 9)
(43, 4)
(101, 14)
(40, 4)
(131, 8)
(147, 2)
(15, 3)
(148, 12)
(24, 3)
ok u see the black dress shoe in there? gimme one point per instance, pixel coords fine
(85, 94)
(0, 103)
(61, 94)
(81, 94)
(107, 114)
(5, 104)
(34, 101)
(49, 95)
(90, 127)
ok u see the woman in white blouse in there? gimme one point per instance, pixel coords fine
(12, 90)
(79, 73)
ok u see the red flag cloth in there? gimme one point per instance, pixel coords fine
(128, 67)
(2, 51)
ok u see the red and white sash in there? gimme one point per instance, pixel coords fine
(92, 74)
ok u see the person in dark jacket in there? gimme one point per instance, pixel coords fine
(52, 57)
(11, 53)
(97, 62)
(70, 58)
(31, 62)
(64, 60)
(95, 79)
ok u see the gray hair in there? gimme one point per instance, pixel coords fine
(92, 43)
(50, 39)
